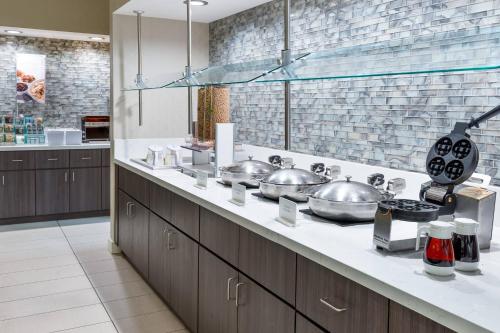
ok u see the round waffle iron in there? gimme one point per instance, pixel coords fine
(410, 210)
(453, 158)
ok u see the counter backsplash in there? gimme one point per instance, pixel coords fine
(387, 121)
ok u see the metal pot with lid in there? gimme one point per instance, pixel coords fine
(248, 171)
(351, 201)
(294, 183)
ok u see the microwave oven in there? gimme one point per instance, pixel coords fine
(95, 128)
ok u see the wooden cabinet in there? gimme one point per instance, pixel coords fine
(85, 158)
(270, 264)
(85, 190)
(217, 308)
(17, 193)
(402, 319)
(17, 160)
(260, 311)
(183, 293)
(133, 231)
(160, 201)
(337, 303)
(105, 188)
(186, 216)
(134, 185)
(52, 159)
(219, 235)
(52, 191)
(106, 158)
(302, 325)
(173, 269)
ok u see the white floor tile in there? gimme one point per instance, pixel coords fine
(123, 290)
(158, 322)
(114, 277)
(98, 328)
(44, 288)
(56, 321)
(31, 244)
(38, 263)
(134, 306)
(96, 254)
(46, 274)
(114, 264)
(39, 252)
(50, 303)
(89, 238)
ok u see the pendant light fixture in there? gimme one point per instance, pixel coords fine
(139, 78)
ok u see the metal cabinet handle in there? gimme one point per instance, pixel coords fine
(237, 301)
(17, 161)
(65, 177)
(324, 302)
(73, 176)
(85, 158)
(52, 159)
(228, 291)
(3, 180)
(170, 244)
(128, 208)
(132, 205)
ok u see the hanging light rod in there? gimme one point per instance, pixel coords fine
(197, 2)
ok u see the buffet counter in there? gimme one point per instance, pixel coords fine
(464, 302)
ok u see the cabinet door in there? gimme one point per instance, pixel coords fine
(186, 216)
(183, 287)
(52, 192)
(402, 319)
(17, 160)
(158, 275)
(124, 224)
(17, 194)
(85, 158)
(85, 190)
(268, 263)
(219, 235)
(139, 216)
(134, 185)
(105, 188)
(217, 307)
(260, 311)
(52, 159)
(337, 303)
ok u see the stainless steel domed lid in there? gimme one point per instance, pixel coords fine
(295, 176)
(250, 166)
(348, 191)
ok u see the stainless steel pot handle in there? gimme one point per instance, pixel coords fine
(324, 302)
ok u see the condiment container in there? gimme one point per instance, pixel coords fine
(466, 244)
(439, 258)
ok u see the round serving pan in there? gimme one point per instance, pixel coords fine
(250, 172)
(251, 180)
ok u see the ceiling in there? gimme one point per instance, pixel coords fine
(52, 34)
(176, 9)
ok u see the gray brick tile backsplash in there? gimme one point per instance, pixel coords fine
(77, 76)
(386, 121)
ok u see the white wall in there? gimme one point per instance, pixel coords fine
(164, 58)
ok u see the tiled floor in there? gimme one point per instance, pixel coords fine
(59, 277)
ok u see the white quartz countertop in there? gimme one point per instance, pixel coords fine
(21, 147)
(464, 302)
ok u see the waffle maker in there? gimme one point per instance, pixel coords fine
(450, 162)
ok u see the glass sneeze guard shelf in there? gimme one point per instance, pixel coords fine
(457, 51)
(238, 73)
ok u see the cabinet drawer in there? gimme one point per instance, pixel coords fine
(17, 160)
(336, 303)
(219, 235)
(305, 326)
(85, 158)
(270, 264)
(402, 319)
(105, 157)
(160, 201)
(134, 185)
(186, 216)
(52, 159)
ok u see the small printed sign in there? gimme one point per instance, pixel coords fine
(288, 212)
(201, 179)
(239, 193)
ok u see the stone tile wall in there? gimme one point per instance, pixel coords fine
(388, 121)
(77, 77)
